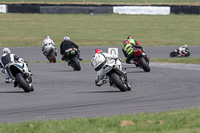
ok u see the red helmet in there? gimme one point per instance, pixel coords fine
(126, 41)
(98, 51)
(129, 37)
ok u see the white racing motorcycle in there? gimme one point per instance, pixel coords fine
(19, 72)
(110, 71)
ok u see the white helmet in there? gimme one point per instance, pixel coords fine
(47, 37)
(6, 50)
(185, 45)
(66, 38)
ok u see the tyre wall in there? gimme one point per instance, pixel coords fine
(86, 9)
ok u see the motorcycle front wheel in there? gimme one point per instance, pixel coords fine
(22, 82)
(144, 64)
(187, 54)
(117, 81)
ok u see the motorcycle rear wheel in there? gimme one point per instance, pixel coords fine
(52, 57)
(173, 54)
(76, 64)
(22, 82)
(117, 81)
(144, 65)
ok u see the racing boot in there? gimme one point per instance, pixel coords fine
(15, 84)
(8, 80)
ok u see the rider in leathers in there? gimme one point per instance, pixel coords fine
(103, 58)
(67, 44)
(182, 49)
(8, 57)
(129, 49)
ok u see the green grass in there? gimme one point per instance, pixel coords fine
(99, 30)
(181, 121)
(187, 60)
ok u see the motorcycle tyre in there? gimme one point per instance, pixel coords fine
(144, 64)
(22, 82)
(116, 80)
(52, 57)
(187, 55)
(76, 64)
(173, 54)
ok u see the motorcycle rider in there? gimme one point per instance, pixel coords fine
(129, 49)
(65, 45)
(182, 49)
(97, 65)
(133, 41)
(7, 58)
(47, 44)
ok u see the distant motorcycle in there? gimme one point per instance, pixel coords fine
(20, 73)
(73, 56)
(51, 54)
(141, 60)
(113, 72)
(175, 53)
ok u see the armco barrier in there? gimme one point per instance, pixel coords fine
(76, 9)
(23, 8)
(85, 9)
(185, 9)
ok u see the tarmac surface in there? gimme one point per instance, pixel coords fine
(61, 93)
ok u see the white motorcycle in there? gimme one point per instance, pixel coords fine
(19, 72)
(112, 72)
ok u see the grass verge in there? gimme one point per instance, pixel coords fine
(187, 60)
(27, 30)
(181, 121)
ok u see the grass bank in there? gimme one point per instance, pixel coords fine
(99, 30)
(187, 60)
(182, 121)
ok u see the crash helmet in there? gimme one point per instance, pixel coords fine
(185, 45)
(66, 38)
(47, 37)
(97, 51)
(6, 50)
(126, 41)
(129, 37)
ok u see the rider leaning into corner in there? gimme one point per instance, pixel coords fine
(48, 43)
(102, 59)
(128, 49)
(182, 49)
(8, 57)
(65, 45)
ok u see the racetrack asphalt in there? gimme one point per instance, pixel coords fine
(62, 93)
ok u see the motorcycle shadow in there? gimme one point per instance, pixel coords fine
(63, 71)
(20, 91)
(100, 91)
